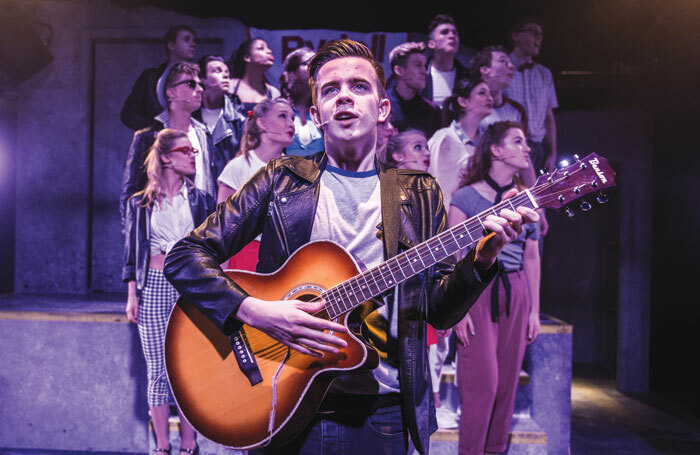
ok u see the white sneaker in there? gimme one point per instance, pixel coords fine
(446, 419)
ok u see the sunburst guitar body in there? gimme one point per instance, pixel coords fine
(214, 394)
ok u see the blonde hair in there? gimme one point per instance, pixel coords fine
(251, 129)
(165, 142)
(396, 144)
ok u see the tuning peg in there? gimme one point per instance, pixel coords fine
(568, 211)
(594, 183)
(543, 172)
(576, 158)
(585, 206)
(602, 198)
(561, 198)
(563, 164)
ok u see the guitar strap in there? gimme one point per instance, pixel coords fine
(246, 360)
(391, 217)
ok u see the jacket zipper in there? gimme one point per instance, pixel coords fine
(278, 218)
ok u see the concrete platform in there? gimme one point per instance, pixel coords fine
(73, 375)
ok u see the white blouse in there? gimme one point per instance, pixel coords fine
(170, 221)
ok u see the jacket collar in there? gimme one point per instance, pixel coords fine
(164, 118)
(308, 169)
(222, 129)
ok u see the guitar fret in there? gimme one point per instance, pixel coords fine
(339, 306)
(366, 286)
(480, 222)
(392, 274)
(349, 293)
(430, 250)
(455, 239)
(374, 279)
(330, 306)
(443, 246)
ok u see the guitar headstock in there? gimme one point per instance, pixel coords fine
(583, 177)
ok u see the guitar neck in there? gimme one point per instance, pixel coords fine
(348, 295)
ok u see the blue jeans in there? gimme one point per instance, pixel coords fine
(349, 433)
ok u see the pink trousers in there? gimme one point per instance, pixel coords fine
(488, 369)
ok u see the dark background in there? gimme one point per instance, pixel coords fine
(616, 53)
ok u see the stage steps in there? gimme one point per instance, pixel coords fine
(526, 436)
(74, 381)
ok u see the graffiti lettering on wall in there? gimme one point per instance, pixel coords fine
(282, 42)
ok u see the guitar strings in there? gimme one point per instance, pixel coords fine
(473, 225)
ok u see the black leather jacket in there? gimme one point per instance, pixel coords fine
(137, 233)
(142, 103)
(280, 201)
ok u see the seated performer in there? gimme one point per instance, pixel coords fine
(344, 195)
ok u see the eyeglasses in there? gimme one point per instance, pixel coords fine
(187, 150)
(191, 83)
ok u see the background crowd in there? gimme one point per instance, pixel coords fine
(204, 127)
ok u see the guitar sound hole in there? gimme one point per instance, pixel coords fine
(307, 297)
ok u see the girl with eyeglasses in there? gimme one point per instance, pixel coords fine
(167, 209)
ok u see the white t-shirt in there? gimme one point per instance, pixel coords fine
(200, 174)
(443, 81)
(450, 151)
(211, 116)
(240, 169)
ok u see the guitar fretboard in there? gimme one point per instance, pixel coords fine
(373, 282)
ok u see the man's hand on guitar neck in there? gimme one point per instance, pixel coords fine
(290, 323)
(503, 230)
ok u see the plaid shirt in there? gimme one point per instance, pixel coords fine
(534, 89)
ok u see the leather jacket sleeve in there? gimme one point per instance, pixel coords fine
(192, 266)
(134, 177)
(129, 262)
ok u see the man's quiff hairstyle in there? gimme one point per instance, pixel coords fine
(439, 20)
(399, 55)
(339, 49)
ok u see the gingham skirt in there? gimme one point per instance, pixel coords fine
(157, 300)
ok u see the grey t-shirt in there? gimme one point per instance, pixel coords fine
(348, 213)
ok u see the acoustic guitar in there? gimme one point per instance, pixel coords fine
(249, 390)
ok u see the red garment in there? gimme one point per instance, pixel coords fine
(431, 336)
(246, 259)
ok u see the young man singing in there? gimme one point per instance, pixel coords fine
(345, 195)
